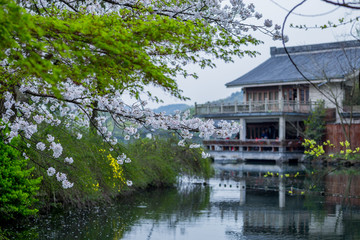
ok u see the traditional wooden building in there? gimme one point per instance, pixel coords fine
(279, 95)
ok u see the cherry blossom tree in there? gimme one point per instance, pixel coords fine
(68, 63)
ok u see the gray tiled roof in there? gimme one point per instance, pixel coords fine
(317, 62)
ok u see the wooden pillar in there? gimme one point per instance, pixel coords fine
(266, 105)
(282, 132)
(297, 100)
(282, 128)
(242, 129)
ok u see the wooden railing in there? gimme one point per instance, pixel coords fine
(260, 145)
(255, 107)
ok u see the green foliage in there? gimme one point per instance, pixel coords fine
(91, 172)
(315, 124)
(317, 150)
(18, 187)
(160, 161)
(124, 50)
(98, 177)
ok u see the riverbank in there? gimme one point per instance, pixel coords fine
(98, 177)
(267, 208)
(97, 174)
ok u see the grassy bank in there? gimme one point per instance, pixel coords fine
(97, 176)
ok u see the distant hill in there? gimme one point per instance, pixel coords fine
(234, 97)
(171, 108)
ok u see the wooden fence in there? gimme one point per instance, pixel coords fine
(335, 133)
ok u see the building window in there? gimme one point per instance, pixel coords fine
(285, 95)
(304, 94)
(257, 94)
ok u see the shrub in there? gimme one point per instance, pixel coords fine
(17, 186)
(315, 124)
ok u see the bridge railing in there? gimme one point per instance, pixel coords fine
(250, 145)
(255, 107)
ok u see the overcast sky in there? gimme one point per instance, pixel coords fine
(211, 82)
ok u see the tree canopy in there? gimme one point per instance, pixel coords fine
(119, 45)
(64, 62)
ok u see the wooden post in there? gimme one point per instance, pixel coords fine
(235, 107)
(250, 105)
(282, 133)
(195, 108)
(242, 129)
(297, 106)
(282, 128)
(266, 105)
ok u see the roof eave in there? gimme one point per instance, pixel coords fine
(285, 83)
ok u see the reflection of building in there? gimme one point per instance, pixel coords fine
(277, 100)
(274, 212)
(342, 189)
(240, 178)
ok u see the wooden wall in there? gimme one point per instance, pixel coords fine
(335, 134)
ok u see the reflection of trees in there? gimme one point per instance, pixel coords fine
(304, 216)
(112, 222)
(176, 205)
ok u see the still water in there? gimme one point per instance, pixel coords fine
(242, 201)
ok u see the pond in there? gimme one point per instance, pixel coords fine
(242, 201)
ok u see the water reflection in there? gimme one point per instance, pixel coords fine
(242, 201)
(259, 177)
(272, 209)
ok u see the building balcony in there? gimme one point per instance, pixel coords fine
(254, 145)
(275, 107)
(255, 149)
